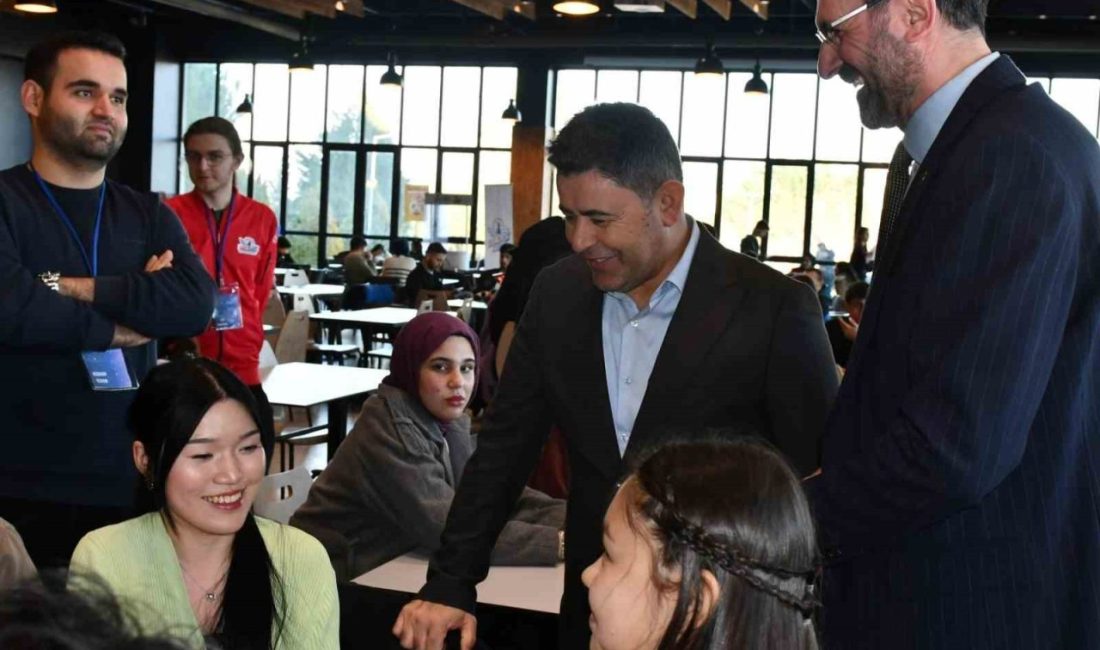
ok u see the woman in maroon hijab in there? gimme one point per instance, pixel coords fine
(389, 487)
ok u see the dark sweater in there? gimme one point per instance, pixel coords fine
(421, 278)
(62, 442)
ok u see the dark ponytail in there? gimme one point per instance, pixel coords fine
(166, 411)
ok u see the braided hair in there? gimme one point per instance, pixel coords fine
(731, 507)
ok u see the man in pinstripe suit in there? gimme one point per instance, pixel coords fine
(959, 497)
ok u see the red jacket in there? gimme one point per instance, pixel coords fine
(250, 253)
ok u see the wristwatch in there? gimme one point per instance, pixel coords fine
(51, 279)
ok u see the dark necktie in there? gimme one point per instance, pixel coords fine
(897, 182)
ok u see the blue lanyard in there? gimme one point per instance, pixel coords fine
(93, 262)
(219, 244)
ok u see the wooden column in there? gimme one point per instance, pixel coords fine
(529, 175)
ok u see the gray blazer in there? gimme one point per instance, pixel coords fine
(389, 488)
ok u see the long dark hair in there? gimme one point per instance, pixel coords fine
(732, 507)
(166, 411)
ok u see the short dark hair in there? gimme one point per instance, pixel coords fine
(40, 65)
(436, 247)
(625, 142)
(283, 242)
(964, 14)
(216, 126)
(358, 242)
(857, 291)
(761, 225)
(377, 247)
(507, 249)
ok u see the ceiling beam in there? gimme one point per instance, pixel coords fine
(284, 7)
(487, 7)
(235, 14)
(722, 7)
(354, 8)
(758, 7)
(687, 7)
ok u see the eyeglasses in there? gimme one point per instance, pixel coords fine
(828, 32)
(214, 158)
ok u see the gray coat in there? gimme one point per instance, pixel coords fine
(388, 490)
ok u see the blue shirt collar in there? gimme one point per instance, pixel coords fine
(925, 125)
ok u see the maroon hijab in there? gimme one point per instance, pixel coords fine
(416, 342)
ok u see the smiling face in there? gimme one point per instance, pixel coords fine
(629, 612)
(867, 55)
(210, 162)
(82, 117)
(212, 484)
(447, 379)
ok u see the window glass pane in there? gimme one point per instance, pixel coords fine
(879, 144)
(742, 200)
(746, 119)
(418, 168)
(341, 192)
(185, 183)
(234, 82)
(269, 106)
(617, 86)
(245, 169)
(198, 93)
(495, 168)
(700, 190)
(383, 108)
(307, 104)
(303, 248)
(659, 91)
(335, 244)
(787, 211)
(835, 189)
(379, 193)
(267, 181)
(704, 99)
(793, 99)
(838, 125)
(456, 177)
(1081, 97)
(576, 89)
(874, 191)
(345, 103)
(303, 190)
(499, 86)
(421, 105)
(461, 90)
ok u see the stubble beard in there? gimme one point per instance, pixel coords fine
(70, 140)
(891, 81)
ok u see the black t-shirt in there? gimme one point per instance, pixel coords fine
(80, 207)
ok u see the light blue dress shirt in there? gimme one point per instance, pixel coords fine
(925, 125)
(632, 338)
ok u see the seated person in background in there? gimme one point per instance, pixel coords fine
(284, 259)
(844, 278)
(506, 252)
(389, 488)
(378, 255)
(843, 329)
(399, 265)
(358, 268)
(708, 545)
(15, 564)
(752, 242)
(426, 276)
(202, 565)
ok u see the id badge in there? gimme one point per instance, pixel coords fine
(227, 308)
(107, 370)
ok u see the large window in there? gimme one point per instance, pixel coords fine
(798, 157)
(335, 154)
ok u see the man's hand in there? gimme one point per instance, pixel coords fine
(158, 262)
(127, 338)
(423, 626)
(849, 327)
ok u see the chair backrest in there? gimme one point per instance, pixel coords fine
(304, 303)
(293, 338)
(438, 298)
(466, 310)
(274, 312)
(281, 494)
(295, 278)
(425, 306)
(267, 356)
(379, 294)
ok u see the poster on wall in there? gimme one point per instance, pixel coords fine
(416, 200)
(498, 222)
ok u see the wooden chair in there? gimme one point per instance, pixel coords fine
(293, 337)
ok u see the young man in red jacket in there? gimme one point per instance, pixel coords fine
(236, 239)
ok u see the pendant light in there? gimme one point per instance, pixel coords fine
(709, 65)
(576, 7)
(38, 7)
(756, 85)
(511, 113)
(391, 77)
(246, 105)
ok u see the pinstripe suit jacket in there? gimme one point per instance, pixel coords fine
(959, 504)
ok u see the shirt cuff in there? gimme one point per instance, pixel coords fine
(451, 592)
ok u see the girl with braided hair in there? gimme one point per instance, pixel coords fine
(707, 545)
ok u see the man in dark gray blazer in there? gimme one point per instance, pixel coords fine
(652, 328)
(959, 495)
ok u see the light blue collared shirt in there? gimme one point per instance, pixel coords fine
(632, 338)
(925, 125)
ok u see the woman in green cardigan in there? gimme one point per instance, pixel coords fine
(199, 564)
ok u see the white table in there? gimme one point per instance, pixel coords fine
(392, 317)
(456, 303)
(309, 384)
(449, 282)
(312, 290)
(536, 589)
